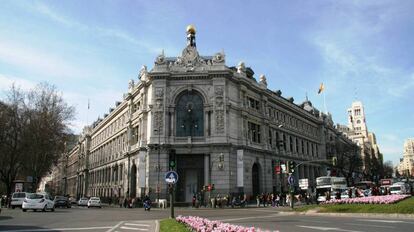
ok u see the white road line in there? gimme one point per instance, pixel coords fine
(377, 220)
(328, 228)
(359, 224)
(157, 226)
(114, 227)
(59, 229)
(135, 224)
(132, 228)
(244, 218)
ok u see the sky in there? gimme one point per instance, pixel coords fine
(360, 50)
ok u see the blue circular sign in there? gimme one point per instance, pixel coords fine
(291, 180)
(171, 177)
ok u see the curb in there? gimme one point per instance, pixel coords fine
(157, 225)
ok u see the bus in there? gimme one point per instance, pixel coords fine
(329, 186)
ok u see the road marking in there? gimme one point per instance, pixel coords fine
(377, 220)
(157, 226)
(114, 227)
(59, 229)
(358, 224)
(134, 224)
(245, 218)
(328, 228)
(132, 228)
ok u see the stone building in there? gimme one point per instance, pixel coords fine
(221, 126)
(406, 165)
(357, 131)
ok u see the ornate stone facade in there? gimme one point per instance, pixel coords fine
(223, 126)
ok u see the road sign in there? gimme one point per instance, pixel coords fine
(171, 177)
(291, 180)
(303, 184)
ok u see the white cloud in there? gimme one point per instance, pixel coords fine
(100, 31)
(7, 81)
(39, 61)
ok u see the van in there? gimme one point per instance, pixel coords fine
(399, 188)
(17, 199)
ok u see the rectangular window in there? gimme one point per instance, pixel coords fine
(270, 136)
(254, 132)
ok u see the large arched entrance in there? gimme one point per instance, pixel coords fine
(256, 179)
(133, 181)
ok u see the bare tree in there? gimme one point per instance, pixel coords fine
(47, 131)
(388, 169)
(12, 124)
(33, 129)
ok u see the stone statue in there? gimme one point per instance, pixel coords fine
(262, 80)
(241, 68)
(131, 85)
(143, 73)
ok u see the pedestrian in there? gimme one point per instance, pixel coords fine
(277, 200)
(258, 200)
(125, 202)
(193, 201)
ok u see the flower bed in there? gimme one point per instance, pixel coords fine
(204, 225)
(387, 199)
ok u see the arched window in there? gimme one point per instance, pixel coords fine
(190, 114)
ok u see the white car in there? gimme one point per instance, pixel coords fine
(83, 201)
(17, 199)
(94, 202)
(41, 201)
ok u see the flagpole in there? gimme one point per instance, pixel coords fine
(324, 102)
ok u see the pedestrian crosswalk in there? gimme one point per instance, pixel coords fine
(125, 226)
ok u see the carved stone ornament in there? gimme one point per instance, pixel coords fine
(262, 80)
(218, 58)
(143, 73)
(160, 60)
(131, 85)
(218, 91)
(219, 121)
(241, 68)
(159, 92)
(158, 122)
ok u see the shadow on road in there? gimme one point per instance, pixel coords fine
(25, 228)
(5, 217)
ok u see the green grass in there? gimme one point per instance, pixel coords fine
(171, 225)
(403, 207)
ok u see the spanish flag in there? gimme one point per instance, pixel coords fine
(321, 88)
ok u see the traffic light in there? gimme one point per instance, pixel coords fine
(172, 159)
(334, 161)
(291, 166)
(209, 188)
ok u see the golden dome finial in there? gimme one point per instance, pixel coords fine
(191, 29)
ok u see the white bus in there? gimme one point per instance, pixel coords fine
(329, 185)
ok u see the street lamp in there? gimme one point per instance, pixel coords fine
(158, 165)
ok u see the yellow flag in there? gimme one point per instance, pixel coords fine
(321, 88)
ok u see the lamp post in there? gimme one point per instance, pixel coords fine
(158, 161)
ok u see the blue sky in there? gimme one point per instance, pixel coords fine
(90, 49)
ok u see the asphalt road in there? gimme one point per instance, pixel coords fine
(121, 220)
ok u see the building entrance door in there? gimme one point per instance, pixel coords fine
(190, 170)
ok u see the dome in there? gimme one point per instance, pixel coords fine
(191, 29)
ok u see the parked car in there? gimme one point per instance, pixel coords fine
(83, 201)
(94, 202)
(61, 201)
(73, 200)
(41, 201)
(17, 199)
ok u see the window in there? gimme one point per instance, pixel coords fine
(254, 132)
(190, 114)
(253, 103)
(357, 112)
(358, 121)
(270, 136)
